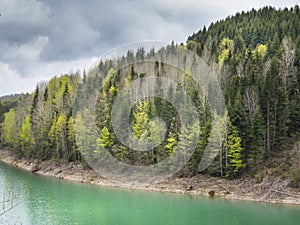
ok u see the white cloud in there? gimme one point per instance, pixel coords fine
(43, 38)
(24, 57)
(12, 82)
(27, 51)
(22, 20)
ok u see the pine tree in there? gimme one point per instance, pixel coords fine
(85, 135)
(171, 145)
(104, 142)
(1, 113)
(214, 145)
(141, 119)
(46, 94)
(187, 141)
(34, 104)
(256, 136)
(235, 162)
(71, 143)
(275, 108)
(105, 139)
(61, 137)
(52, 132)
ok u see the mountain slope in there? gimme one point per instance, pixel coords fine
(258, 54)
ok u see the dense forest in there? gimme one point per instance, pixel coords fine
(258, 56)
(259, 53)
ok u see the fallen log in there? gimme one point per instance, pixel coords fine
(284, 193)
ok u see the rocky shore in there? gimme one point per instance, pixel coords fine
(269, 189)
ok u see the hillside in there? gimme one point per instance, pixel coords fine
(258, 54)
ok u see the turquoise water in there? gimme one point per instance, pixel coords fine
(45, 200)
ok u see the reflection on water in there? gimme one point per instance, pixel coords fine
(45, 200)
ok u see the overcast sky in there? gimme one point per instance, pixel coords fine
(40, 39)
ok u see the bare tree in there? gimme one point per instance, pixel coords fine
(250, 101)
(288, 69)
(9, 201)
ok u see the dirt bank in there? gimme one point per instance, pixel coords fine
(269, 189)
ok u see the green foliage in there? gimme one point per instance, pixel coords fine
(235, 162)
(26, 138)
(187, 140)
(34, 103)
(256, 136)
(61, 136)
(52, 132)
(295, 168)
(260, 51)
(73, 153)
(105, 139)
(171, 143)
(9, 130)
(259, 56)
(7, 103)
(226, 48)
(141, 119)
(257, 52)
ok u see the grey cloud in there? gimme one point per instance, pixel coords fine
(35, 32)
(22, 20)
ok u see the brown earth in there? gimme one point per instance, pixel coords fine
(269, 189)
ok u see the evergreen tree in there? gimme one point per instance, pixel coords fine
(1, 113)
(171, 143)
(61, 137)
(104, 142)
(260, 79)
(141, 119)
(34, 103)
(105, 139)
(73, 154)
(235, 162)
(257, 134)
(52, 132)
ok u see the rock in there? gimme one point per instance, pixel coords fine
(34, 169)
(211, 193)
(47, 169)
(190, 188)
(57, 171)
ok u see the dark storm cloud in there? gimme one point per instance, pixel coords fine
(22, 20)
(77, 28)
(83, 28)
(49, 36)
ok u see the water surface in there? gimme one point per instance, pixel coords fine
(45, 200)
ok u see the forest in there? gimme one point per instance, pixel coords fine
(258, 56)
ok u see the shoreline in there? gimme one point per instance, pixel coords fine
(244, 189)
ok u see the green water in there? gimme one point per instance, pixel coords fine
(45, 200)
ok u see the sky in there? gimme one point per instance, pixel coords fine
(40, 39)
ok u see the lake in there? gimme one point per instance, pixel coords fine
(45, 200)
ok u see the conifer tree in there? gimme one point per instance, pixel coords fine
(256, 136)
(235, 162)
(61, 137)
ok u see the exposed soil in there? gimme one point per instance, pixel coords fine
(268, 189)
